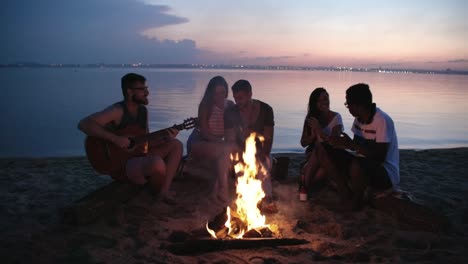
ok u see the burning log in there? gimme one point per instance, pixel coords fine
(218, 220)
(253, 233)
(218, 225)
(257, 233)
(195, 247)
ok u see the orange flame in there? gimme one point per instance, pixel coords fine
(249, 191)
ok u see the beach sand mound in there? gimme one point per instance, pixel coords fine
(33, 190)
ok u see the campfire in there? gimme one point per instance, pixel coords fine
(240, 227)
(246, 219)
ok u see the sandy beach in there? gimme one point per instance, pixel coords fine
(32, 192)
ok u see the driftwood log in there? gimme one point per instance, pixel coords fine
(199, 246)
(99, 203)
(409, 213)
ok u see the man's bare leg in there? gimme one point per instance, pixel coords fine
(171, 152)
(147, 169)
(156, 173)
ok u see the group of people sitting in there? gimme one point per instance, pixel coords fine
(370, 159)
(223, 127)
(355, 167)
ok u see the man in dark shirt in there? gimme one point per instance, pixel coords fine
(250, 115)
(159, 165)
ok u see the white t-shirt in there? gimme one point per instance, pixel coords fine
(334, 122)
(382, 130)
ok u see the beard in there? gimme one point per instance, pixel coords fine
(143, 101)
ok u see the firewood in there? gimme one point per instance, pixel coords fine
(252, 233)
(218, 221)
(195, 247)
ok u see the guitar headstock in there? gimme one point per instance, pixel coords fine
(188, 123)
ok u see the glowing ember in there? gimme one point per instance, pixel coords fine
(249, 193)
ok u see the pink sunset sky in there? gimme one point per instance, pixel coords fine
(397, 34)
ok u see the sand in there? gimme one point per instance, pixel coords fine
(32, 191)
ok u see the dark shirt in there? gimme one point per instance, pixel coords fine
(127, 119)
(233, 120)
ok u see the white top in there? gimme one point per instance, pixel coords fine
(334, 122)
(382, 130)
(329, 128)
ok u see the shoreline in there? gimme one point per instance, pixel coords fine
(274, 153)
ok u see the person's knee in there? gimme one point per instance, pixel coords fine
(176, 146)
(323, 157)
(321, 173)
(158, 167)
(157, 173)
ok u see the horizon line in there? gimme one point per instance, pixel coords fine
(381, 69)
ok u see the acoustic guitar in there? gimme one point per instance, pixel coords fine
(107, 158)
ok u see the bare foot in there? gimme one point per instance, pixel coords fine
(168, 198)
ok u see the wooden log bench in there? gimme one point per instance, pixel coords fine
(412, 215)
(99, 203)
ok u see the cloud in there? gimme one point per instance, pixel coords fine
(449, 61)
(89, 31)
(458, 61)
(273, 58)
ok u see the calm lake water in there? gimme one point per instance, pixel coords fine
(41, 107)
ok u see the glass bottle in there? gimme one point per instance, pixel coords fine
(302, 189)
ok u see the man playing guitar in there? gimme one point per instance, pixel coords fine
(156, 161)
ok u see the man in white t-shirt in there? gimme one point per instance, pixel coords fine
(375, 162)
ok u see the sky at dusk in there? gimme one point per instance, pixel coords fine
(398, 34)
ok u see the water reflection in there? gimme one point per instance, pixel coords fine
(41, 112)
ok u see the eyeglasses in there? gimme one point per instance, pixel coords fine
(144, 88)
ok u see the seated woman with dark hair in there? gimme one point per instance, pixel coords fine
(319, 124)
(206, 143)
